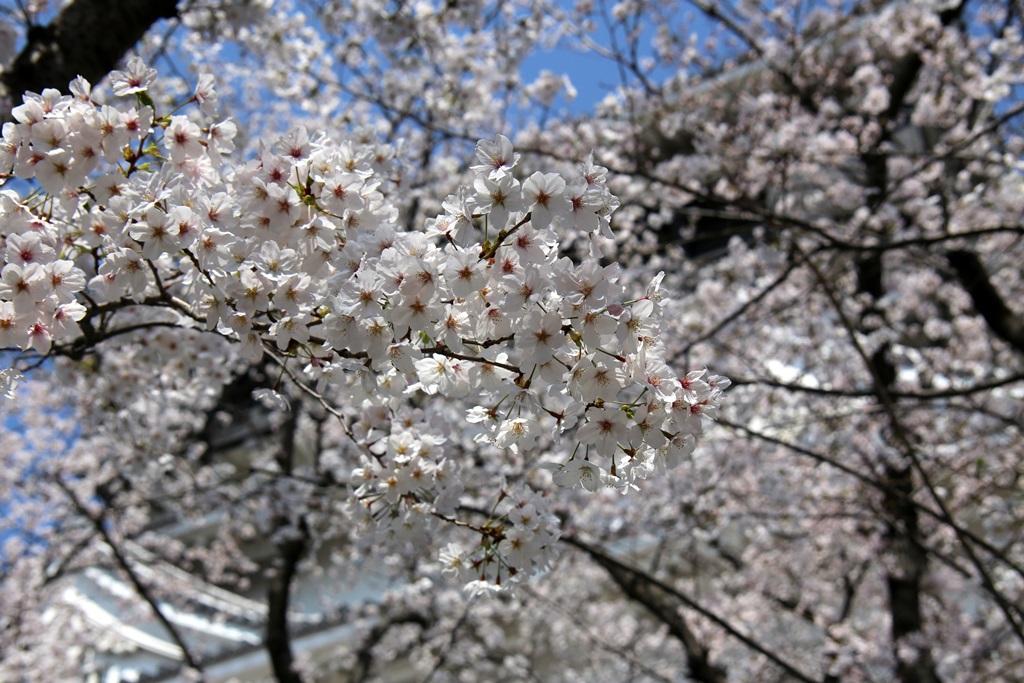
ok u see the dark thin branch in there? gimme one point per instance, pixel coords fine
(364, 657)
(879, 486)
(756, 299)
(126, 567)
(613, 566)
(625, 651)
(868, 393)
(698, 663)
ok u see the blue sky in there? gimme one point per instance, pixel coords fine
(595, 76)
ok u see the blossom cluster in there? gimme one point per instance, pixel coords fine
(298, 255)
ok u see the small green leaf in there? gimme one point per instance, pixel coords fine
(145, 100)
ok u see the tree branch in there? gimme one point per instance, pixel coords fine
(699, 666)
(126, 567)
(974, 278)
(638, 577)
(881, 486)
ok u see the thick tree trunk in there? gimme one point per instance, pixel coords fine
(278, 643)
(289, 554)
(87, 38)
(903, 537)
(904, 582)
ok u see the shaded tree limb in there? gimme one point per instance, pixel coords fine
(699, 666)
(364, 657)
(974, 278)
(583, 628)
(647, 585)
